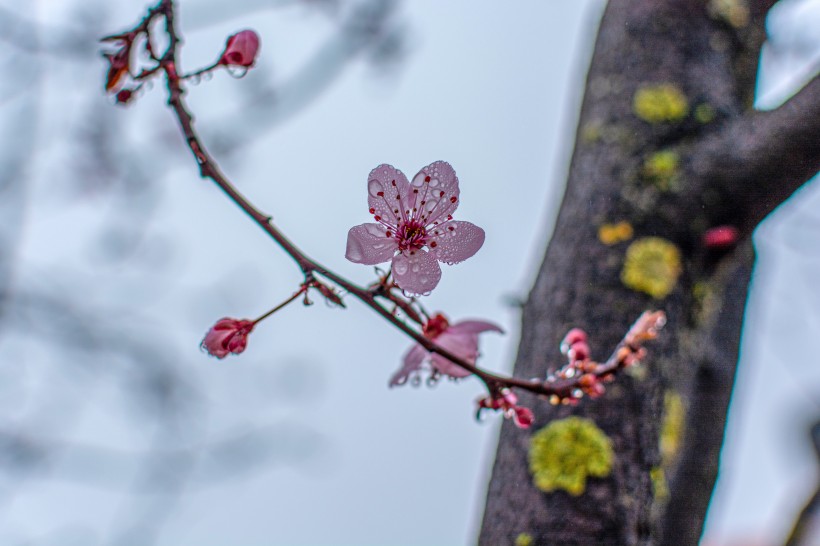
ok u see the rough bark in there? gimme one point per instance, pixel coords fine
(733, 169)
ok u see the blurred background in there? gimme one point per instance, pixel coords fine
(115, 258)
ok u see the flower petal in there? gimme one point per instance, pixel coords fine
(369, 244)
(461, 345)
(473, 327)
(389, 195)
(455, 241)
(412, 363)
(435, 191)
(416, 271)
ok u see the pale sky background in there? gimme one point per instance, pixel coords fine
(493, 89)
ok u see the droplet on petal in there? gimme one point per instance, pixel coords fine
(374, 187)
(400, 265)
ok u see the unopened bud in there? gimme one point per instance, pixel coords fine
(241, 49)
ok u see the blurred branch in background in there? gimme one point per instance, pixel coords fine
(59, 349)
(806, 529)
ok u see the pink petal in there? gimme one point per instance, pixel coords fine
(435, 188)
(455, 241)
(412, 362)
(389, 195)
(473, 327)
(369, 244)
(464, 346)
(416, 271)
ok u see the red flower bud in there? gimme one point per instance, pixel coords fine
(720, 237)
(124, 96)
(227, 336)
(523, 417)
(578, 351)
(573, 336)
(118, 66)
(241, 49)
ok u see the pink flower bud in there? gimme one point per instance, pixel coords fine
(124, 96)
(578, 351)
(720, 237)
(241, 49)
(573, 336)
(523, 417)
(227, 336)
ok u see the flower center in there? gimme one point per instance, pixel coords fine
(434, 327)
(411, 236)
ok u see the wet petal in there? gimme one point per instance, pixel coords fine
(464, 346)
(453, 242)
(369, 244)
(473, 327)
(389, 195)
(436, 193)
(412, 363)
(416, 272)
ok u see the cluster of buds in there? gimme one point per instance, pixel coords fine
(587, 376)
(124, 79)
(579, 365)
(507, 402)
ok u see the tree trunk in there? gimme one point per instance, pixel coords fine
(667, 143)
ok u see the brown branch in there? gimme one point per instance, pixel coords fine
(566, 385)
(761, 159)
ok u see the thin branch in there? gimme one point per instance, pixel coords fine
(566, 385)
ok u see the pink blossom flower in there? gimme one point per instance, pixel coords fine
(241, 49)
(227, 336)
(411, 216)
(508, 403)
(461, 339)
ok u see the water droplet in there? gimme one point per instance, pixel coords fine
(354, 253)
(434, 183)
(415, 268)
(424, 280)
(374, 187)
(400, 266)
(374, 230)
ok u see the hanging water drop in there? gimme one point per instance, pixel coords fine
(374, 187)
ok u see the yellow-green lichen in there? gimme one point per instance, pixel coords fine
(524, 539)
(661, 168)
(660, 103)
(566, 452)
(672, 429)
(591, 132)
(704, 113)
(706, 301)
(660, 488)
(734, 12)
(611, 234)
(652, 265)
